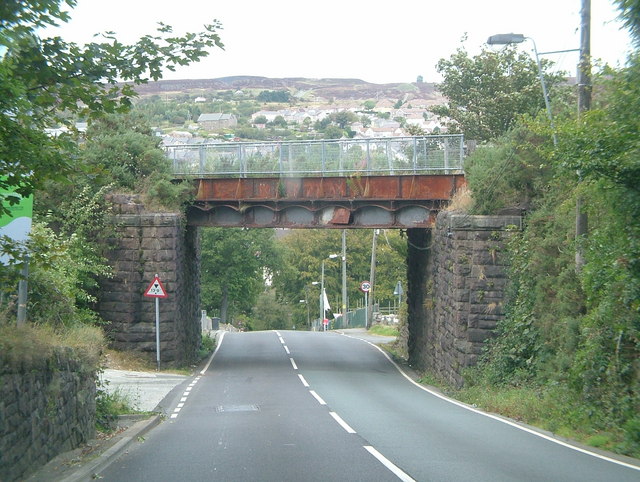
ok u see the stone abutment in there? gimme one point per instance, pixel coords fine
(457, 280)
(148, 244)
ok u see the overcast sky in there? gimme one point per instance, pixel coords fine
(380, 42)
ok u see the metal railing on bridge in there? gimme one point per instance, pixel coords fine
(442, 154)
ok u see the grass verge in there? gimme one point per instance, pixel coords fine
(554, 409)
(383, 330)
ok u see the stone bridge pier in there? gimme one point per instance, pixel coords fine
(456, 289)
(148, 244)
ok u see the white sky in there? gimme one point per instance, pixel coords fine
(380, 42)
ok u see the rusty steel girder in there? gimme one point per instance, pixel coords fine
(323, 202)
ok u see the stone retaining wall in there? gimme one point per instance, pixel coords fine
(46, 407)
(461, 297)
(150, 244)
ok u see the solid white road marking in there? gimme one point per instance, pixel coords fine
(317, 397)
(341, 422)
(214, 353)
(495, 417)
(388, 464)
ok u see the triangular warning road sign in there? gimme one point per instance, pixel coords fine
(155, 289)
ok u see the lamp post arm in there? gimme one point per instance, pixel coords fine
(545, 94)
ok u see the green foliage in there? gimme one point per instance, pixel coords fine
(630, 15)
(384, 330)
(274, 96)
(122, 148)
(62, 274)
(47, 82)
(269, 314)
(369, 104)
(512, 172)
(606, 145)
(207, 345)
(235, 261)
(574, 337)
(110, 404)
(302, 255)
(486, 93)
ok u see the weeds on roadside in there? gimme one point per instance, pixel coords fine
(383, 330)
(109, 405)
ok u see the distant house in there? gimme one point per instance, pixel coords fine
(214, 122)
(200, 99)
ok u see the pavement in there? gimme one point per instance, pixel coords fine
(144, 390)
(147, 392)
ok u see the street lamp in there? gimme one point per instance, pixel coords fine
(306, 302)
(517, 38)
(322, 295)
(345, 319)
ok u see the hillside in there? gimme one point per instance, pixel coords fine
(337, 89)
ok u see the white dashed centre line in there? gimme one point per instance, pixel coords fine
(304, 382)
(341, 422)
(317, 397)
(388, 464)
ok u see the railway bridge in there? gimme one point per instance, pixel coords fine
(455, 262)
(399, 182)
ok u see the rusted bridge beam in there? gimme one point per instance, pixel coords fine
(327, 202)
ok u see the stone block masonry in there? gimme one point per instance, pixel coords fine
(47, 406)
(148, 244)
(459, 290)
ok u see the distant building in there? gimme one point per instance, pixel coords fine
(213, 122)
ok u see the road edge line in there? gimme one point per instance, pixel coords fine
(496, 417)
(218, 345)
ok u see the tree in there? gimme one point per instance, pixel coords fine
(234, 264)
(274, 96)
(333, 132)
(123, 149)
(302, 255)
(369, 104)
(488, 92)
(344, 118)
(269, 314)
(47, 82)
(279, 121)
(261, 119)
(414, 130)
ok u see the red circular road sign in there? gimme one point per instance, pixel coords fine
(365, 286)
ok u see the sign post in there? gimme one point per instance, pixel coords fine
(365, 287)
(16, 225)
(157, 291)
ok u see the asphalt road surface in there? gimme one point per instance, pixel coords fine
(313, 406)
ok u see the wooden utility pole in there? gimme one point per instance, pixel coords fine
(584, 104)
